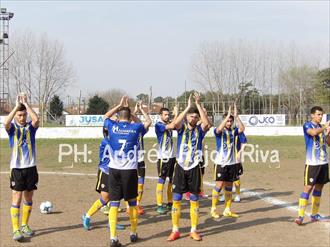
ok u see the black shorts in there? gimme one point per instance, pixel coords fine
(165, 169)
(187, 180)
(123, 184)
(226, 173)
(141, 169)
(24, 179)
(239, 168)
(316, 174)
(102, 183)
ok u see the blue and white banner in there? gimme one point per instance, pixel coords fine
(263, 120)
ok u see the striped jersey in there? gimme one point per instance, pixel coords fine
(124, 137)
(104, 155)
(239, 140)
(225, 146)
(316, 151)
(190, 146)
(22, 142)
(141, 150)
(165, 141)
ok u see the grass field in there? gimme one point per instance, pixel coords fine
(262, 220)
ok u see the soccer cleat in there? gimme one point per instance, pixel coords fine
(161, 210)
(317, 217)
(222, 198)
(187, 196)
(228, 213)
(299, 221)
(214, 214)
(169, 206)
(27, 230)
(140, 210)
(18, 236)
(237, 199)
(195, 236)
(173, 236)
(115, 243)
(133, 237)
(86, 222)
(105, 210)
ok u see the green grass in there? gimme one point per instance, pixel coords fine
(291, 149)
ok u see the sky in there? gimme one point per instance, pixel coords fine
(132, 45)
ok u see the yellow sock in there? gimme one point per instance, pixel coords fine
(194, 208)
(316, 198)
(159, 194)
(215, 196)
(303, 200)
(113, 216)
(140, 193)
(169, 193)
(176, 213)
(14, 212)
(133, 217)
(238, 187)
(228, 198)
(27, 207)
(95, 207)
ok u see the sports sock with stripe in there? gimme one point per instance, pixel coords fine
(26, 212)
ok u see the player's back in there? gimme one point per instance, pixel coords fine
(124, 137)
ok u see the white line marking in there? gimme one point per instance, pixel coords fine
(260, 195)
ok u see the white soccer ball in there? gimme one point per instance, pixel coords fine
(46, 207)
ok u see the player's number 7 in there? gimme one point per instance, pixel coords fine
(123, 143)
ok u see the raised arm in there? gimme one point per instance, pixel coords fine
(224, 121)
(315, 132)
(171, 125)
(31, 112)
(115, 109)
(206, 124)
(241, 126)
(147, 123)
(11, 115)
(179, 119)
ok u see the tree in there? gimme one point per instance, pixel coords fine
(112, 96)
(143, 97)
(159, 99)
(40, 68)
(56, 106)
(97, 105)
(322, 88)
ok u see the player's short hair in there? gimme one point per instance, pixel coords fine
(21, 107)
(124, 112)
(105, 132)
(316, 108)
(225, 115)
(163, 109)
(193, 110)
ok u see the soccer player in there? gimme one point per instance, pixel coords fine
(141, 152)
(23, 173)
(102, 186)
(166, 158)
(240, 142)
(225, 169)
(187, 172)
(123, 176)
(316, 169)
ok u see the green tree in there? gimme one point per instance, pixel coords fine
(159, 99)
(143, 97)
(97, 105)
(56, 106)
(322, 88)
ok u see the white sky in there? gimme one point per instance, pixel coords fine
(133, 45)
